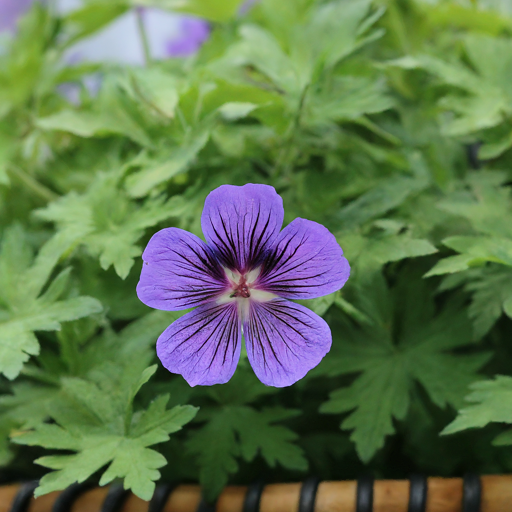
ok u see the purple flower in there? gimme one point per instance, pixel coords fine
(192, 33)
(10, 11)
(241, 278)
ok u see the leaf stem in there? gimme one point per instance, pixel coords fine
(128, 414)
(139, 15)
(287, 155)
(34, 185)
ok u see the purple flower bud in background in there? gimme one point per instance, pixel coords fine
(70, 91)
(10, 11)
(247, 6)
(191, 34)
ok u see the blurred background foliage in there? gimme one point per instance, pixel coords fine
(389, 121)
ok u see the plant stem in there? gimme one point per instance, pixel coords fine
(139, 15)
(36, 187)
(288, 153)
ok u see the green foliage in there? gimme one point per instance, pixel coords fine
(405, 343)
(23, 307)
(490, 403)
(361, 114)
(102, 429)
(486, 206)
(214, 11)
(106, 222)
(482, 98)
(241, 431)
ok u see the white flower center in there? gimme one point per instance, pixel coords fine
(243, 289)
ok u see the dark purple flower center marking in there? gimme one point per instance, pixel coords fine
(242, 289)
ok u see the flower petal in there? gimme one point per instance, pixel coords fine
(284, 341)
(306, 262)
(204, 345)
(242, 223)
(180, 271)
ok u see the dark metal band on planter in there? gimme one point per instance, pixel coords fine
(253, 497)
(67, 497)
(160, 497)
(364, 499)
(204, 506)
(23, 496)
(472, 493)
(114, 499)
(417, 493)
(308, 494)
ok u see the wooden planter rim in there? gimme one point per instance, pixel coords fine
(443, 495)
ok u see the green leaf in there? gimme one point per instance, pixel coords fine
(293, 60)
(495, 149)
(490, 403)
(321, 305)
(262, 50)
(140, 183)
(28, 403)
(241, 431)
(407, 343)
(84, 124)
(491, 295)
(369, 254)
(487, 101)
(352, 311)
(114, 114)
(390, 194)
(348, 99)
(143, 332)
(26, 66)
(6, 455)
(243, 388)
(7, 145)
(213, 11)
(476, 251)
(486, 204)
(337, 29)
(378, 396)
(236, 110)
(89, 124)
(107, 222)
(93, 16)
(23, 309)
(91, 421)
(158, 88)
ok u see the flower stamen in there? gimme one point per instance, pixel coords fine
(242, 289)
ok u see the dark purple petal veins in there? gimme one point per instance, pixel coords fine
(179, 271)
(305, 262)
(284, 341)
(242, 223)
(204, 345)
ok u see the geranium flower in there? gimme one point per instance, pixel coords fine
(241, 279)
